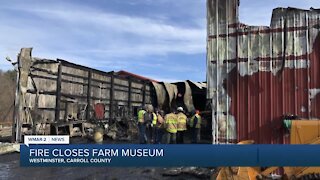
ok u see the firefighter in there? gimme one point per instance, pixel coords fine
(171, 127)
(148, 117)
(195, 125)
(154, 127)
(159, 127)
(182, 125)
(142, 125)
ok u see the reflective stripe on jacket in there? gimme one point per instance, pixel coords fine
(141, 116)
(171, 123)
(154, 120)
(198, 125)
(182, 122)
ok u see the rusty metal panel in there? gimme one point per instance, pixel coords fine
(221, 48)
(99, 110)
(258, 74)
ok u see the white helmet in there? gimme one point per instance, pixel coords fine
(180, 109)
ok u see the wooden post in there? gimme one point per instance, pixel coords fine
(111, 96)
(129, 96)
(24, 64)
(144, 93)
(89, 95)
(58, 93)
(16, 107)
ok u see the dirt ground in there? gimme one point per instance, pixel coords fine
(10, 169)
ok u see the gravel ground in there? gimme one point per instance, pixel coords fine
(10, 169)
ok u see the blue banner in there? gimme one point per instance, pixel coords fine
(132, 155)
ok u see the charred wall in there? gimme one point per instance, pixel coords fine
(258, 74)
(58, 90)
(187, 94)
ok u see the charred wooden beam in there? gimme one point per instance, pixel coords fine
(120, 100)
(121, 85)
(144, 94)
(99, 98)
(74, 75)
(81, 83)
(24, 64)
(43, 70)
(73, 82)
(100, 81)
(58, 94)
(42, 77)
(140, 102)
(89, 95)
(48, 109)
(38, 61)
(73, 96)
(53, 93)
(129, 96)
(116, 89)
(111, 95)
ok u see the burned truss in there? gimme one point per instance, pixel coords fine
(57, 95)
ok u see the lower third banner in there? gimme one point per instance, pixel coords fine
(130, 155)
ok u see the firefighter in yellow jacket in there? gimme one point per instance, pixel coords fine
(171, 123)
(142, 125)
(195, 125)
(154, 127)
(159, 126)
(148, 118)
(181, 126)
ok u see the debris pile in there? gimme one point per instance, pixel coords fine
(203, 173)
(6, 148)
(123, 131)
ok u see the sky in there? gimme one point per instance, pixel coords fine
(160, 39)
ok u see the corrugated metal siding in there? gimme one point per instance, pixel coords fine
(257, 74)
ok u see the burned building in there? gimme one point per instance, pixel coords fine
(56, 94)
(256, 75)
